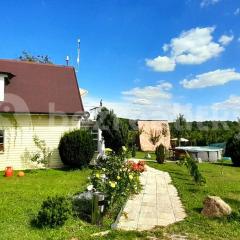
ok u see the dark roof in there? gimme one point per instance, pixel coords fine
(40, 88)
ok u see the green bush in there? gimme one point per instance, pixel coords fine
(114, 130)
(116, 178)
(233, 149)
(234, 216)
(160, 153)
(54, 212)
(134, 149)
(76, 148)
(193, 169)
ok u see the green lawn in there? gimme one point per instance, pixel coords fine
(22, 197)
(142, 155)
(226, 185)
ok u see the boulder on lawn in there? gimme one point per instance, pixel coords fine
(82, 205)
(215, 207)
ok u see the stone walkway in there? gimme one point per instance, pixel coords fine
(157, 205)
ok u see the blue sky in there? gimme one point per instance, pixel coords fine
(147, 59)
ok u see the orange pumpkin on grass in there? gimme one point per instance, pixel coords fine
(21, 174)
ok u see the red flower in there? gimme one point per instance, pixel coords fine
(137, 167)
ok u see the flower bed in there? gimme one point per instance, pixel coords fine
(137, 166)
(117, 178)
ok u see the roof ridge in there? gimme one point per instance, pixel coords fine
(37, 63)
(40, 88)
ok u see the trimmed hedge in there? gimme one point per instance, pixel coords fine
(76, 148)
(160, 153)
(54, 212)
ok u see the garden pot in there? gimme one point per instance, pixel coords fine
(8, 172)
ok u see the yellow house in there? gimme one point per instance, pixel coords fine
(36, 100)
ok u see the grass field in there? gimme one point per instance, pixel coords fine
(21, 198)
(223, 181)
(142, 155)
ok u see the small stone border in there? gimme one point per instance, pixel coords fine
(114, 225)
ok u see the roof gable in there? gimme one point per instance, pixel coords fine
(40, 88)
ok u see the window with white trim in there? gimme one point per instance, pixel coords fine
(1, 140)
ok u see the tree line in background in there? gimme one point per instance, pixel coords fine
(205, 132)
(120, 132)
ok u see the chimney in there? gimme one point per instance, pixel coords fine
(2, 86)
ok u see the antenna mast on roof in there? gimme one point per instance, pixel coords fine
(78, 54)
(67, 60)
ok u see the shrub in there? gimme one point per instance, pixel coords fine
(134, 148)
(193, 169)
(160, 153)
(234, 216)
(54, 212)
(233, 149)
(76, 148)
(114, 130)
(116, 177)
(43, 155)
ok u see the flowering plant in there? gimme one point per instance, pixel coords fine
(117, 177)
(137, 167)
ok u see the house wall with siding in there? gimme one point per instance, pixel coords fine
(18, 138)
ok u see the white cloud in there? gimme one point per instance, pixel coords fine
(149, 102)
(226, 110)
(161, 64)
(205, 3)
(232, 103)
(237, 12)
(194, 46)
(214, 78)
(225, 40)
(157, 110)
(165, 47)
(148, 93)
(141, 101)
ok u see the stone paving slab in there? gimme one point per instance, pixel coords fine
(158, 203)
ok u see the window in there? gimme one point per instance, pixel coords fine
(1, 140)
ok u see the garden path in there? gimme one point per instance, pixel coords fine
(158, 203)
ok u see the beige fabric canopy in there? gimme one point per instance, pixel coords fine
(181, 139)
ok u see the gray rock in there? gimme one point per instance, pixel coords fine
(87, 195)
(82, 205)
(215, 207)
